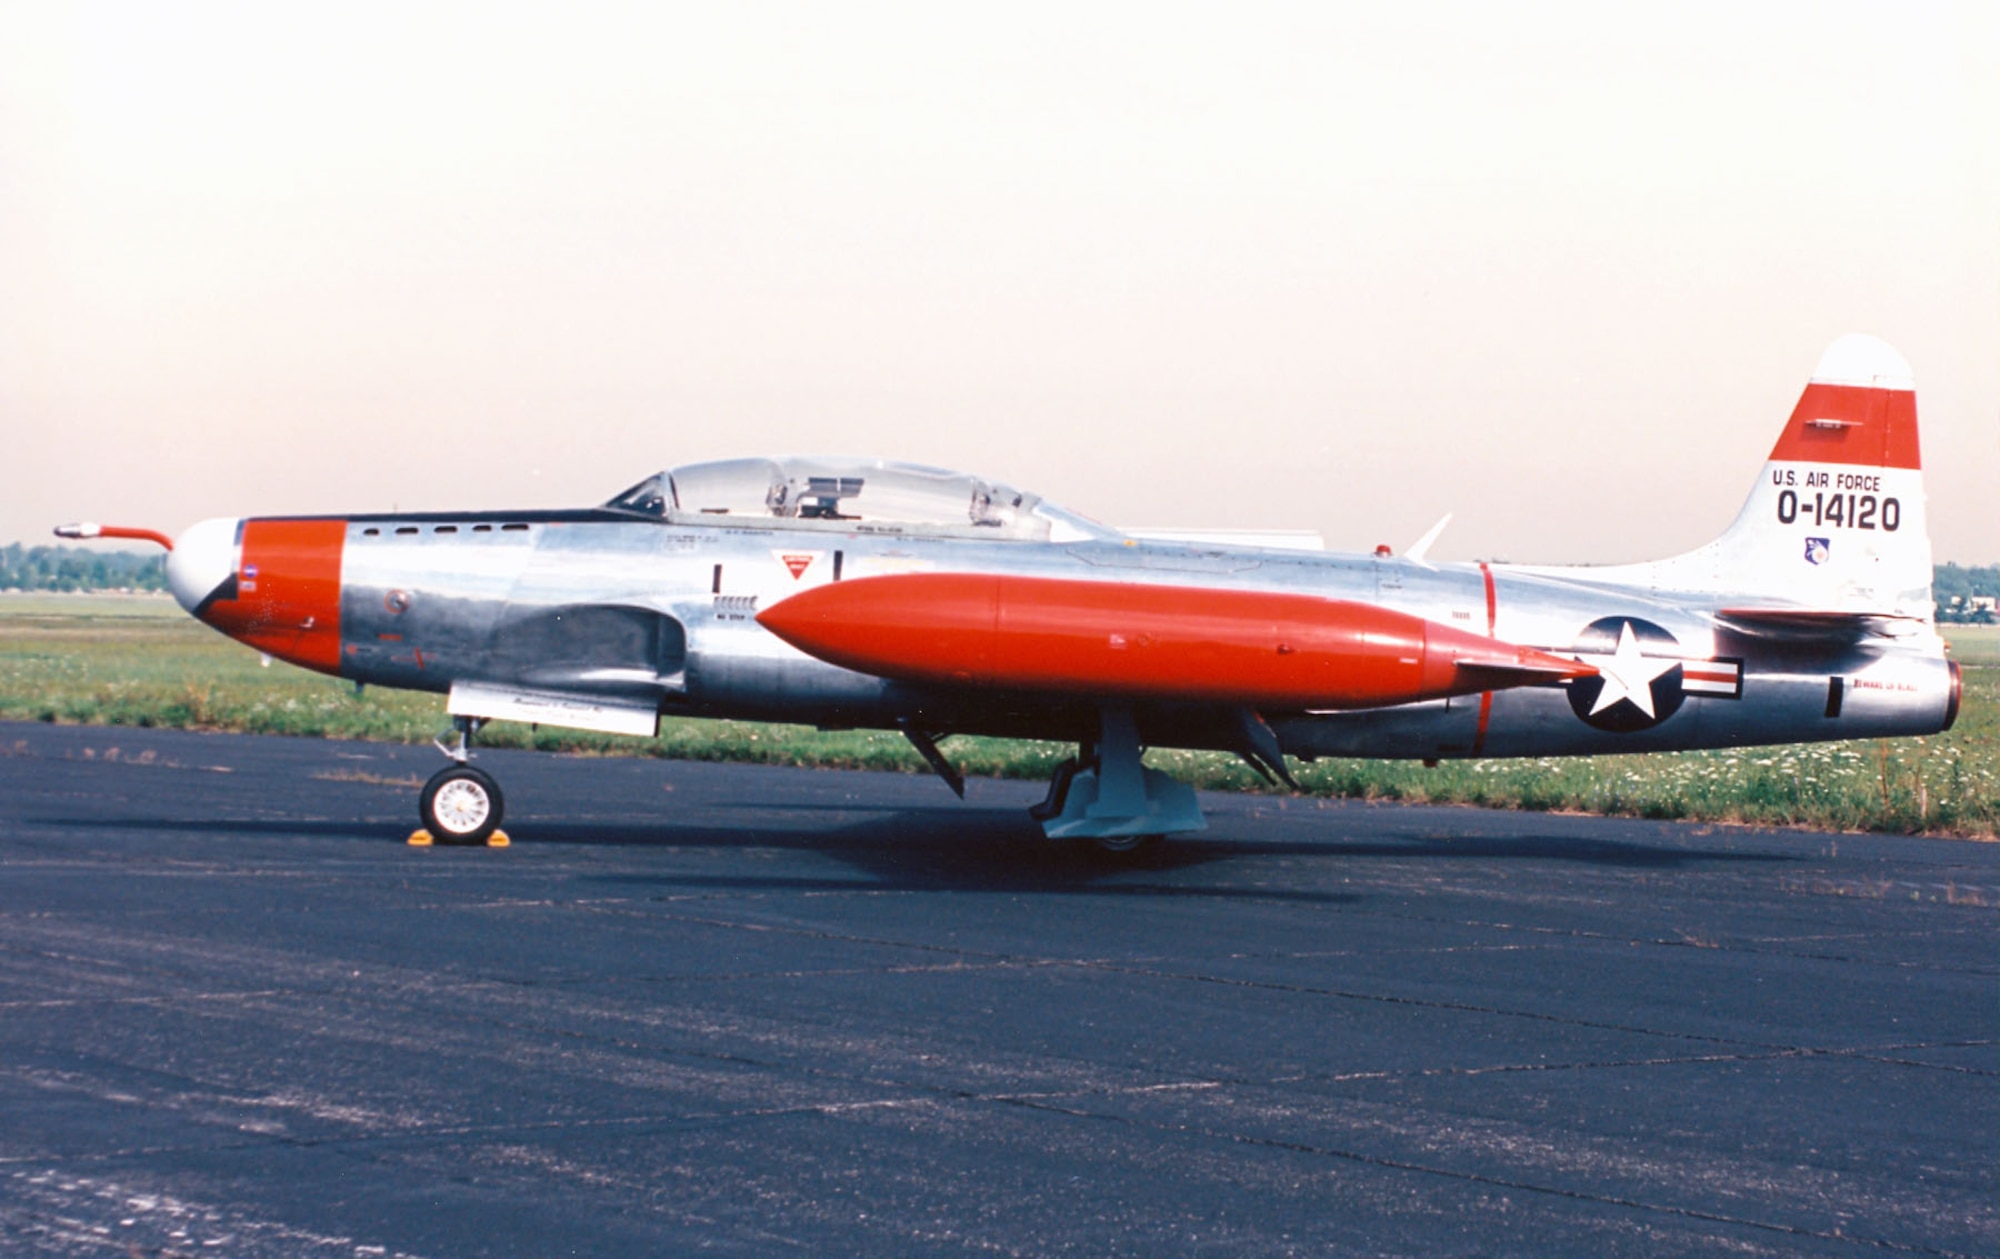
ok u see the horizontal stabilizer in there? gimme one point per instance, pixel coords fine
(1797, 625)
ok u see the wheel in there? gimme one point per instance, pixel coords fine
(461, 805)
(1126, 845)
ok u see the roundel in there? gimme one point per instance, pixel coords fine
(1638, 682)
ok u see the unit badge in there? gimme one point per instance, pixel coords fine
(1817, 550)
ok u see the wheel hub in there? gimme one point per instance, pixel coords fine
(461, 806)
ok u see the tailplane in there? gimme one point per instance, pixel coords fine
(1835, 522)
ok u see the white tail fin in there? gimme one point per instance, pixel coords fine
(1836, 521)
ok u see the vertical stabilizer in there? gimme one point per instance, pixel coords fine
(1835, 521)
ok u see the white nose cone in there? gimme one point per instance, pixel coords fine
(204, 557)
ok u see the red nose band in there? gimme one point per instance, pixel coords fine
(287, 598)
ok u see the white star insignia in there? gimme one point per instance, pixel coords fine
(1627, 674)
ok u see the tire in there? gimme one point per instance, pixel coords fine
(461, 805)
(1127, 845)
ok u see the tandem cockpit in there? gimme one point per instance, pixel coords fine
(852, 496)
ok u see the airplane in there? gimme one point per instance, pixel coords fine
(854, 593)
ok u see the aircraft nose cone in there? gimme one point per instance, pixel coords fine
(204, 557)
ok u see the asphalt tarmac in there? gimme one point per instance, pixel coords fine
(748, 1010)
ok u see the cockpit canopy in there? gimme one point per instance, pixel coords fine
(852, 495)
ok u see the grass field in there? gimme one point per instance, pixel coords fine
(139, 661)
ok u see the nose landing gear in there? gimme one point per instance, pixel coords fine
(460, 804)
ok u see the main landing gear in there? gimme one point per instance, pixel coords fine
(1105, 795)
(460, 804)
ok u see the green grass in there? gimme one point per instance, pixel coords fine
(156, 607)
(137, 661)
(1974, 644)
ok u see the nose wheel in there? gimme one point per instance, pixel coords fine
(461, 805)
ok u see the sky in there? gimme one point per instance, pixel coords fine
(1560, 270)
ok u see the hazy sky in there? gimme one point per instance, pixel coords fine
(1561, 270)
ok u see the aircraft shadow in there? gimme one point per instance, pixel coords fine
(263, 828)
(945, 848)
(932, 850)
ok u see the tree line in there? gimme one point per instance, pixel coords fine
(79, 568)
(1966, 594)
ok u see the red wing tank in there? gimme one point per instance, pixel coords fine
(851, 593)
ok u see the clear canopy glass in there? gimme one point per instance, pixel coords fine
(870, 495)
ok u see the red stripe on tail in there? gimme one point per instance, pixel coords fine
(1849, 424)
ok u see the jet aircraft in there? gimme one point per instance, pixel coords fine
(848, 593)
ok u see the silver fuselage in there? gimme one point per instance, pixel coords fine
(659, 615)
